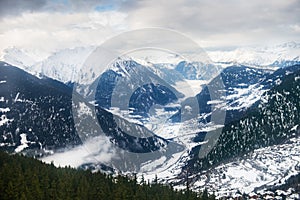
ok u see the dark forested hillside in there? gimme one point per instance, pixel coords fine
(26, 178)
(270, 121)
(39, 108)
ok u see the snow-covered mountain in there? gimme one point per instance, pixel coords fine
(65, 64)
(41, 116)
(35, 113)
(22, 58)
(274, 56)
(270, 121)
(254, 153)
(62, 65)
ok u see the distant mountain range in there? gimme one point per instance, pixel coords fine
(65, 64)
(274, 56)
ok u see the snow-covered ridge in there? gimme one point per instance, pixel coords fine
(258, 56)
(62, 65)
(21, 58)
(65, 64)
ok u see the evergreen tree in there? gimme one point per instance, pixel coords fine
(29, 179)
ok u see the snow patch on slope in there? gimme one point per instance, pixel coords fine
(4, 120)
(242, 98)
(24, 143)
(3, 117)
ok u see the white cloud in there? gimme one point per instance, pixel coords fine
(219, 23)
(295, 27)
(47, 32)
(98, 149)
(56, 25)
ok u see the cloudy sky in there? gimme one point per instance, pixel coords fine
(49, 25)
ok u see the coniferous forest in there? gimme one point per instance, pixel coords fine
(27, 178)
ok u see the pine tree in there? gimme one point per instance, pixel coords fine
(27, 178)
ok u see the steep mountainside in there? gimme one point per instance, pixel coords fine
(35, 113)
(42, 116)
(243, 87)
(269, 121)
(38, 112)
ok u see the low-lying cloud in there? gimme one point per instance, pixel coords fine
(97, 150)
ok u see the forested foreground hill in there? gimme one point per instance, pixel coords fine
(26, 178)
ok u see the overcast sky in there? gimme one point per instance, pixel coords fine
(47, 26)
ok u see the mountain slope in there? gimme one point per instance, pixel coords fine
(243, 87)
(36, 113)
(43, 116)
(266, 123)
